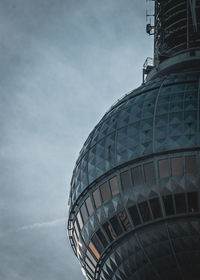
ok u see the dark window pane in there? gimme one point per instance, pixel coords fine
(105, 193)
(89, 206)
(155, 208)
(80, 222)
(144, 211)
(134, 215)
(97, 199)
(177, 166)
(116, 226)
(97, 243)
(180, 203)
(192, 201)
(109, 231)
(84, 213)
(190, 164)
(149, 172)
(102, 238)
(124, 220)
(94, 250)
(168, 203)
(114, 185)
(125, 180)
(163, 168)
(137, 175)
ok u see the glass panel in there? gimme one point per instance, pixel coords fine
(116, 226)
(155, 208)
(180, 203)
(109, 231)
(149, 172)
(114, 185)
(102, 238)
(192, 201)
(84, 213)
(124, 220)
(163, 167)
(97, 243)
(177, 166)
(89, 206)
(74, 238)
(91, 258)
(137, 175)
(125, 180)
(190, 164)
(91, 266)
(144, 211)
(80, 222)
(134, 215)
(97, 199)
(94, 250)
(105, 193)
(168, 203)
(76, 228)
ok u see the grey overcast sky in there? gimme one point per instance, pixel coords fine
(62, 65)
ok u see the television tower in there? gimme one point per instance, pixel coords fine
(135, 190)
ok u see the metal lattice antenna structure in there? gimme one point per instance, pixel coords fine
(176, 33)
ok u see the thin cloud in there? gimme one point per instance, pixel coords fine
(41, 225)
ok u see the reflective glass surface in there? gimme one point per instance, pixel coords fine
(137, 126)
(114, 186)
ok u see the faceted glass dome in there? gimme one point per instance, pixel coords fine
(159, 116)
(134, 201)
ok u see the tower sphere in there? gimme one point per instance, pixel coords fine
(134, 199)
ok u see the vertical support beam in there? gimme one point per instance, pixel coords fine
(194, 15)
(188, 24)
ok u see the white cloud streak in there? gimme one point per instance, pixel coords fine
(41, 225)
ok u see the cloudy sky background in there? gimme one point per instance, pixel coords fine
(63, 63)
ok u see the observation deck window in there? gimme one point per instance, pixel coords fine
(144, 211)
(149, 172)
(102, 238)
(89, 206)
(80, 221)
(109, 231)
(91, 258)
(190, 164)
(124, 220)
(97, 243)
(114, 186)
(137, 175)
(168, 203)
(125, 180)
(97, 199)
(94, 250)
(134, 215)
(192, 202)
(156, 208)
(84, 213)
(116, 226)
(163, 167)
(177, 166)
(105, 192)
(180, 203)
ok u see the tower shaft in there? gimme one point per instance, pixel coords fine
(177, 28)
